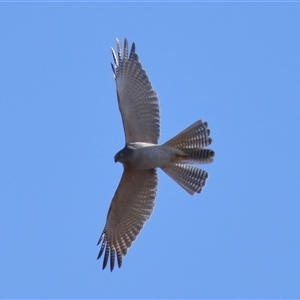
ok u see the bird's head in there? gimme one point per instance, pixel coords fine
(118, 156)
(124, 155)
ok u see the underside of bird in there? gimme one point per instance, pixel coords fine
(174, 157)
(133, 201)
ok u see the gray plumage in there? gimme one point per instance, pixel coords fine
(133, 202)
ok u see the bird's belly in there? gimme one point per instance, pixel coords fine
(151, 157)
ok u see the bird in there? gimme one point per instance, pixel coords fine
(133, 201)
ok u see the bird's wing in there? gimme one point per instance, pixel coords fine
(130, 208)
(138, 102)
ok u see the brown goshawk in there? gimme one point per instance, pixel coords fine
(133, 201)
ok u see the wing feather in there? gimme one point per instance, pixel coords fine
(131, 207)
(138, 102)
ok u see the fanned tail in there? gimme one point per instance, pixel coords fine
(195, 136)
(190, 142)
(190, 178)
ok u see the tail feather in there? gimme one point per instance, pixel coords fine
(199, 156)
(189, 144)
(190, 178)
(195, 136)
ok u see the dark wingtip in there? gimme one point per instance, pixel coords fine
(100, 238)
(113, 68)
(119, 258)
(102, 246)
(112, 259)
(105, 260)
(132, 48)
(125, 49)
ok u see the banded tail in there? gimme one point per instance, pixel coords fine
(191, 142)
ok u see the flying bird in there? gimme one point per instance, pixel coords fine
(133, 202)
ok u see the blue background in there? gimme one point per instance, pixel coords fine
(234, 65)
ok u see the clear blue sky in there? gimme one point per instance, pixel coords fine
(234, 65)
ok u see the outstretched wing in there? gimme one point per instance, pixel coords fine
(130, 208)
(138, 102)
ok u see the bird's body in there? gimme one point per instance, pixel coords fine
(142, 156)
(133, 201)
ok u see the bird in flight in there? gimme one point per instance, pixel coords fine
(133, 202)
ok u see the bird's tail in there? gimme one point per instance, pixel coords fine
(190, 142)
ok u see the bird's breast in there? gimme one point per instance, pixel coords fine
(150, 157)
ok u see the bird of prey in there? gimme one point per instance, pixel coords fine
(133, 202)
